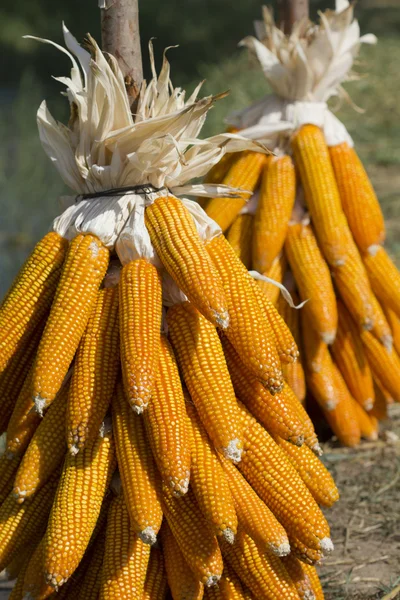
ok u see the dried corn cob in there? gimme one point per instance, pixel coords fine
(138, 471)
(175, 238)
(295, 379)
(125, 556)
(20, 560)
(84, 268)
(93, 561)
(8, 467)
(310, 437)
(202, 362)
(155, 587)
(95, 372)
(45, 452)
(194, 535)
(368, 424)
(239, 236)
(313, 280)
(209, 482)
(165, 422)
(312, 471)
(280, 486)
(83, 484)
(319, 368)
(293, 372)
(18, 589)
(182, 582)
(31, 294)
(304, 553)
(358, 198)
(140, 323)
(379, 409)
(384, 278)
(248, 331)
(315, 582)
(263, 573)
(312, 159)
(229, 588)
(299, 576)
(276, 272)
(385, 365)
(35, 585)
(254, 516)
(277, 194)
(381, 328)
(394, 323)
(244, 173)
(343, 418)
(349, 356)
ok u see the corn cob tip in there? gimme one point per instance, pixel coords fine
(40, 405)
(298, 440)
(228, 535)
(368, 404)
(387, 341)
(326, 545)
(221, 319)
(234, 450)
(368, 324)
(19, 495)
(330, 404)
(328, 337)
(308, 595)
(373, 249)
(74, 449)
(274, 385)
(212, 580)
(148, 536)
(181, 487)
(55, 581)
(138, 407)
(317, 449)
(282, 550)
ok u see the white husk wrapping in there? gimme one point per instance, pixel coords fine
(304, 70)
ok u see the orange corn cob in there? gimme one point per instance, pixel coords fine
(349, 356)
(311, 156)
(263, 573)
(276, 272)
(229, 587)
(8, 467)
(83, 484)
(381, 328)
(295, 379)
(385, 365)
(359, 200)
(244, 173)
(182, 582)
(299, 576)
(304, 553)
(379, 409)
(394, 323)
(319, 368)
(202, 362)
(89, 585)
(310, 437)
(384, 277)
(95, 372)
(35, 585)
(368, 424)
(125, 556)
(194, 535)
(343, 418)
(312, 471)
(254, 516)
(19, 560)
(293, 372)
(209, 482)
(218, 171)
(84, 268)
(140, 297)
(273, 412)
(281, 488)
(165, 422)
(313, 280)
(31, 294)
(315, 582)
(239, 236)
(277, 194)
(156, 585)
(177, 243)
(20, 524)
(138, 471)
(45, 452)
(249, 330)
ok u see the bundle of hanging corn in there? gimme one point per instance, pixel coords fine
(123, 341)
(315, 224)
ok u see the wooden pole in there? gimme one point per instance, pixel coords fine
(121, 38)
(291, 11)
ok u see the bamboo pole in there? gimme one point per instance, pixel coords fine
(291, 11)
(121, 38)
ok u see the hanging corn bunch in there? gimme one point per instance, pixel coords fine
(142, 335)
(314, 223)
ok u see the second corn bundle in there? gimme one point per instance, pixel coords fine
(315, 224)
(126, 340)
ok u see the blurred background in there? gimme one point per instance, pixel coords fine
(207, 32)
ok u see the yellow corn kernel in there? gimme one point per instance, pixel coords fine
(35, 585)
(381, 328)
(295, 379)
(358, 198)
(84, 268)
(379, 409)
(125, 556)
(313, 280)
(312, 471)
(182, 582)
(384, 277)
(394, 324)
(311, 156)
(83, 484)
(138, 471)
(299, 576)
(156, 585)
(310, 437)
(385, 365)
(277, 194)
(368, 424)
(92, 563)
(194, 536)
(45, 452)
(229, 588)
(244, 173)
(254, 516)
(165, 422)
(31, 294)
(273, 412)
(95, 372)
(8, 467)
(268, 470)
(239, 236)
(249, 330)
(262, 572)
(140, 298)
(201, 359)
(209, 482)
(218, 171)
(276, 272)
(315, 582)
(343, 418)
(304, 553)
(293, 372)
(182, 252)
(349, 356)
(20, 524)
